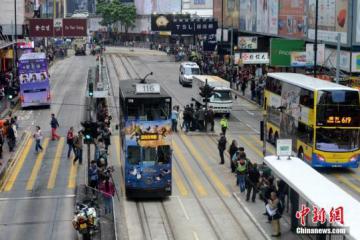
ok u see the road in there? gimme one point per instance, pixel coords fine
(37, 200)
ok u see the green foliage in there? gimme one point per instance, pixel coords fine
(116, 11)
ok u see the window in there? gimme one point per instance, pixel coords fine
(307, 98)
(337, 140)
(305, 133)
(164, 154)
(133, 154)
(273, 85)
(149, 154)
(222, 95)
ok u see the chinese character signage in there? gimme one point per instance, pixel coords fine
(194, 26)
(255, 58)
(58, 27)
(247, 42)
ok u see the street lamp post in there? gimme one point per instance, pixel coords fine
(316, 35)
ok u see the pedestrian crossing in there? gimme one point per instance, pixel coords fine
(44, 171)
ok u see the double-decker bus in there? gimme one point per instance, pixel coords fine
(34, 80)
(322, 118)
(145, 132)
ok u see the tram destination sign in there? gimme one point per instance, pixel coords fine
(147, 88)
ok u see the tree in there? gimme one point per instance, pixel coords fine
(115, 11)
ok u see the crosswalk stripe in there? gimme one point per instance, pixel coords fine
(205, 166)
(357, 177)
(56, 164)
(189, 171)
(257, 151)
(35, 171)
(18, 166)
(269, 146)
(179, 182)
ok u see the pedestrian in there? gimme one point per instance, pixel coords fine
(1, 142)
(78, 143)
(232, 151)
(243, 86)
(93, 175)
(108, 190)
(224, 124)
(209, 118)
(54, 125)
(105, 135)
(187, 118)
(70, 141)
(38, 137)
(222, 147)
(201, 119)
(274, 211)
(174, 118)
(241, 171)
(11, 138)
(253, 89)
(253, 181)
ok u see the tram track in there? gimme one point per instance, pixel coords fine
(202, 205)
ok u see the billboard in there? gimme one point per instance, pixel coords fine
(201, 4)
(267, 16)
(41, 27)
(73, 6)
(247, 42)
(355, 66)
(147, 7)
(69, 27)
(280, 51)
(74, 27)
(248, 15)
(292, 19)
(333, 19)
(357, 23)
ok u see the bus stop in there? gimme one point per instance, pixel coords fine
(315, 202)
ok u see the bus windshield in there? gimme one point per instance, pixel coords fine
(222, 95)
(338, 108)
(337, 140)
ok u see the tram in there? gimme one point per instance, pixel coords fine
(145, 134)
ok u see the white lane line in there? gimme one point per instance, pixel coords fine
(251, 217)
(251, 113)
(39, 197)
(252, 128)
(183, 208)
(196, 237)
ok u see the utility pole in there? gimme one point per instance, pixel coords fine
(316, 35)
(338, 58)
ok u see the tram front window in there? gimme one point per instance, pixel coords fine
(133, 154)
(149, 155)
(164, 154)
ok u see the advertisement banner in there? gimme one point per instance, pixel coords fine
(194, 26)
(332, 19)
(161, 22)
(247, 43)
(147, 7)
(200, 4)
(355, 66)
(320, 58)
(330, 56)
(267, 16)
(298, 59)
(74, 27)
(280, 51)
(292, 18)
(248, 15)
(357, 39)
(255, 58)
(41, 27)
(73, 6)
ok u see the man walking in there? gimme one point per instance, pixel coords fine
(78, 144)
(253, 180)
(210, 115)
(241, 171)
(224, 124)
(38, 137)
(222, 147)
(54, 125)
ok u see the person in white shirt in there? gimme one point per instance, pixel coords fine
(38, 137)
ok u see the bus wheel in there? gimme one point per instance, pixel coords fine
(301, 154)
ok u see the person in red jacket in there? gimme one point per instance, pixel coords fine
(107, 188)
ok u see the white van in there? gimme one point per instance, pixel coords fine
(187, 70)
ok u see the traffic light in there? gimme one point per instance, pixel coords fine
(90, 131)
(11, 93)
(91, 89)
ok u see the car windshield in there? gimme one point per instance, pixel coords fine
(222, 95)
(337, 140)
(192, 71)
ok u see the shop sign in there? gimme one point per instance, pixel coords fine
(194, 26)
(25, 45)
(255, 58)
(281, 49)
(41, 27)
(247, 42)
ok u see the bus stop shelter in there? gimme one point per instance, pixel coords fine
(310, 188)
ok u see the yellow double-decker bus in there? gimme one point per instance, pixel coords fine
(322, 118)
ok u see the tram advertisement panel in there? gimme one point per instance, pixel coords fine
(148, 133)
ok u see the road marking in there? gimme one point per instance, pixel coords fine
(257, 151)
(269, 146)
(196, 237)
(35, 171)
(205, 166)
(56, 164)
(355, 176)
(118, 155)
(38, 197)
(183, 208)
(72, 176)
(179, 182)
(250, 113)
(10, 183)
(347, 183)
(189, 171)
(252, 128)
